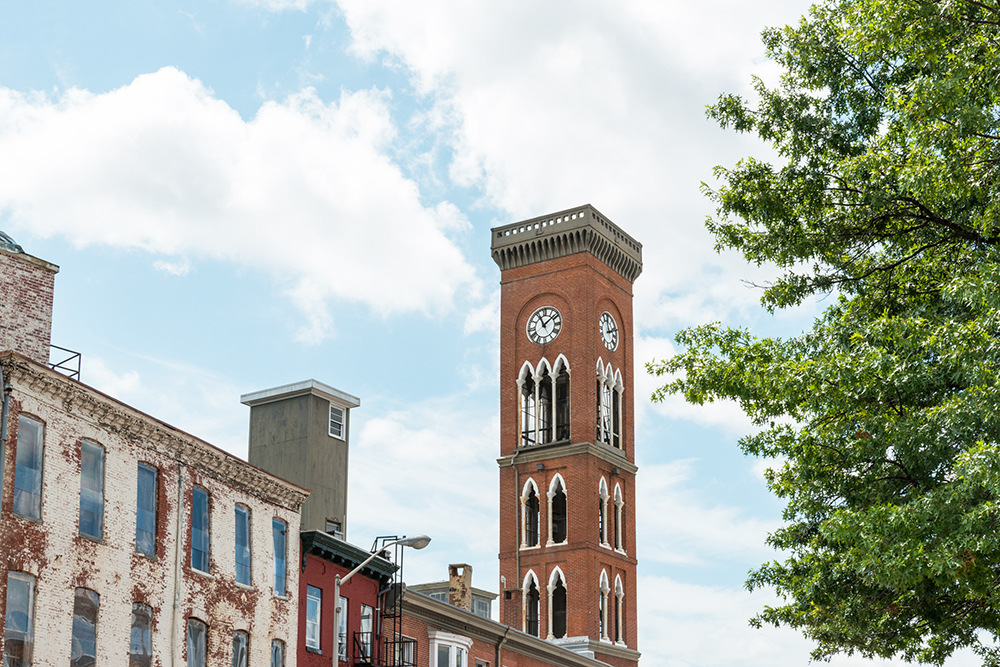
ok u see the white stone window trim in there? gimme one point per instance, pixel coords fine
(437, 638)
(602, 492)
(605, 588)
(550, 495)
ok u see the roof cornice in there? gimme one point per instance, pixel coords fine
(74, 397)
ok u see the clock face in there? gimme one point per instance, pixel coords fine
(544, 325)
(609, 331)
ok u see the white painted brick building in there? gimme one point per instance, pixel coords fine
(89, 484)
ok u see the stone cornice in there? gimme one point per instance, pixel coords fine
(539, 453)
(74, 397)
(446, 617)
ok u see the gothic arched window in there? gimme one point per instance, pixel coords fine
(562, 398)
(619, 611)
(602, 513)
(616, 410)
(602, 608)
(527, 389)
(557, 511)
(545, 407)
(619, 519)
(529, 514)
(531, 599)
(557, 605)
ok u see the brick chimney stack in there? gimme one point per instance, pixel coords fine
(27, 285)
(460, 586)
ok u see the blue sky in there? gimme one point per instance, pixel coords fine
(247, 193)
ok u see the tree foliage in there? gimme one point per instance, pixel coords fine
(887, 412)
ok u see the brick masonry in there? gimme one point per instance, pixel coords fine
(582, 287)
(26, 291)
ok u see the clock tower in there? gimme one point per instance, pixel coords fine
(567, 462)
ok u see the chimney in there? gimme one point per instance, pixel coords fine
(299, 432)
(460, 586)
(26, 289)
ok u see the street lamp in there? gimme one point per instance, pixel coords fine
(417, 542)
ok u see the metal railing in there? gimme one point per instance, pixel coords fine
(70, 366)
(378, 651)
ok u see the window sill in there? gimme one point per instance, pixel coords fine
(527, 548)
(147, 556)
(557, 544)
(606, 545)
(314, 650)
(276, 596)
(91, 538)
(206, 575)
(29, 519)
(620, 551)
(248, 587)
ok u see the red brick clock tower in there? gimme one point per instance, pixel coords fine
(567, 463)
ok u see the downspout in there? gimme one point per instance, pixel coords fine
(5, 389)
(178, 538)
(499, 647)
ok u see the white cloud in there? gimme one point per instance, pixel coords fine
(181, 268)
(305, 190)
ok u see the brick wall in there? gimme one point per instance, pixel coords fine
(61, 559)
(26, 289)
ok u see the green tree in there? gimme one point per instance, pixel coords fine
(886, 414)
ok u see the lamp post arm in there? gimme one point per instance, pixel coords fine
(337, 581)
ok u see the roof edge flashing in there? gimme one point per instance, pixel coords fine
(314, 387)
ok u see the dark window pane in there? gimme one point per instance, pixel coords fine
(140, 649)
(91, 489)
(145, 511)
(84, 648)
(278, 532)
(277, 654)
(196, 641)
(28, 468)
(199, 530)
(18, 631)
(242, 545)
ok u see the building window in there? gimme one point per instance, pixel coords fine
(405, 650)
(197, 642)
(84, 647)
(18, 633)
(448, 650)
(145, 511)
(531, 603)
(140, 647)
(28, 468)
(367, 632)
(562, 399)
(337, 421)
(314, 605)
(545, 408)
(335, 528)
(91, 490)
(342, 630)
(605, 393)
(557, 606)
(619, 519)
(602, 513)
(481, 607)
(277, 653)
(557, 511)
(243, 545)
(440, 597)
(278, 532)
(619, 612)
(241, 648)
(200, 530)
(529, 514)
(609, 418)
(528, 414)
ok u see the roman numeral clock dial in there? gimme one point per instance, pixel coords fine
(544, 325)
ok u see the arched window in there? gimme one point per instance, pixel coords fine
(545, 407)
(557, 605)
(616, 411)
(241, 648)
(619, 611)
(562, 398)
(526, 383)
(529, 514)
(557, 511)
(602, 513)
(602, 608)
(619, 519)
(531, 599)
